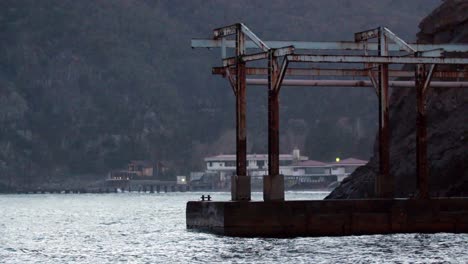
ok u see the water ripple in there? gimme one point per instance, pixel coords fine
(150, 228)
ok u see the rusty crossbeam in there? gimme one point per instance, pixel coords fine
(231, 61)
(354, 83)
(279, 52)
(333, 45)
(339, 72)
(374, 59)
(383, 31)
(430, 53)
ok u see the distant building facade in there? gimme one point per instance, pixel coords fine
(297, 169)
(135, 169)
(257, 164)
(322, 174)
(142, 168)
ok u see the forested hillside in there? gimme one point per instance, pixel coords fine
(87, 85)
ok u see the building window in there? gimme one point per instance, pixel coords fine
(317, 170)
(230, 163)
(210, 164)
(260, 163)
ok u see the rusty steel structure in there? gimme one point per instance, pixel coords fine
(371, 55)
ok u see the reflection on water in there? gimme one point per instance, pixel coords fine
(150, 228)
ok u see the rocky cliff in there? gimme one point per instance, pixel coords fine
(447, 124)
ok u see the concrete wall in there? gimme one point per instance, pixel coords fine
(328, 218)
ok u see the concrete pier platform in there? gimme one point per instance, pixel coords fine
(329, 217)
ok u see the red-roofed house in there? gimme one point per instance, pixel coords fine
(311, 167)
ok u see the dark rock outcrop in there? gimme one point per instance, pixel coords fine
(447, 124)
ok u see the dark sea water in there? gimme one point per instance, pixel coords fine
(150, 228)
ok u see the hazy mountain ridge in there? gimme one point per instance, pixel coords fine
(86, 86)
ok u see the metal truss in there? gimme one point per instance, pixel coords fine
(380, 48)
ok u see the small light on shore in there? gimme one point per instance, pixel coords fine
(337, 159)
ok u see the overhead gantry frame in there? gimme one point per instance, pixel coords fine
(279, 54)
(240, 183)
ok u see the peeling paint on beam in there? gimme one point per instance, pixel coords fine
(375, 59)
(231, 61)
(365, 35)
(340, 72)
(225, 31)
(355, 83)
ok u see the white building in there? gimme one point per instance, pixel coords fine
(325, 173)
(291, 165)
(257, 164)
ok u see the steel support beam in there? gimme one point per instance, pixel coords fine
(334, 45)
(273, 183)
(421, 134)
(231, 80)
(429, 76)
(245, 58)
(283, 51)
(401, 43)
(340, 72)
(273, 118)
(281, 75)
(375, 59)
(373, 81)
(353, 83)
(383, 182)
(240, 183)
(259, 56)
(260, 44)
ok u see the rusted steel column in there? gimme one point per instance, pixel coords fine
(384, 183)
(273, 132)
(241, 182)
(273, 183)
(421, 134)
(273, 118)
